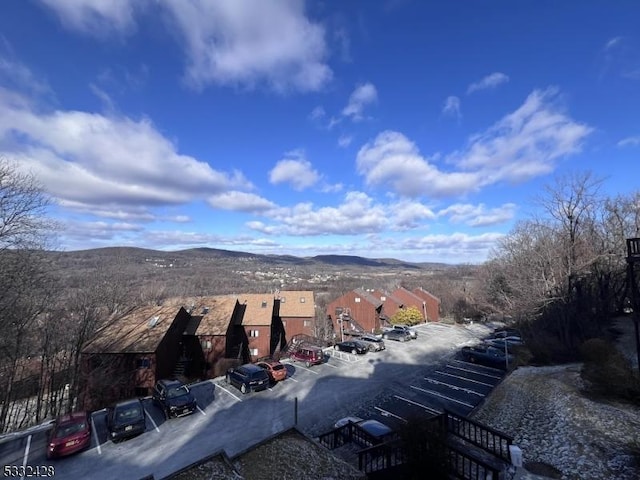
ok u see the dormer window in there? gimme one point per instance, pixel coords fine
(357, 300)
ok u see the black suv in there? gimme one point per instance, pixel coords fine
(248, 377)
(126, 419)
(352, 346)
(174, 398)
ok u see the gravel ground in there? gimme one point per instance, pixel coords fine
(555, 425)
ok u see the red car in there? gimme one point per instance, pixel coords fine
(70, 434)
(276, 370)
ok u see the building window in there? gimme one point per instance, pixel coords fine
(307, 323)
(302, 299)
(383, 298)
(357, 299)
(339, 311)
(254, 333)
(254, 352)
(284, 323)
(264, 304)
(206, 344)
(283, 299)
(143, 363)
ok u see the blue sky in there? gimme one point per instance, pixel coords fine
(409, 129)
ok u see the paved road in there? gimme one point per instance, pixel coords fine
(413, 378)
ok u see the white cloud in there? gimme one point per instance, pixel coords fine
(522, 145)
(356, 215)
(612, 42)
(451, 107)
(97, 160)
(240, 202)
(364, 95)
(317, 113)
(295, 170)
(345, 140)
(393, 160)
(96, 17)
(633, 141)
(407, 214)
(456, 247)
(478, 215)
(490, 81)
(241, 42)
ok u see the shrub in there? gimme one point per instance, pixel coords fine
(607, 372)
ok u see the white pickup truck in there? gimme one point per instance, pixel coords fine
(404, 328)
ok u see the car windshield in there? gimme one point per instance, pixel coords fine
(258, 375)
(278, 367)
(69, 429)
(128, 413)
(177, 391)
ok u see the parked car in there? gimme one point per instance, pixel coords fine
(375, 344)
(505, 332)
(405, 328)
(307, 354)
(274, 369)
(70, 434)
(377, 431)
(512, 343)
(126, 419)
(248, 377)
(352, 346)
(174, 398)
(397, 335)
(486, 355)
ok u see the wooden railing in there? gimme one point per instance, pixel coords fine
(480, 435)
(463, 466)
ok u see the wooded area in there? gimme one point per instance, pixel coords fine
(561, 273)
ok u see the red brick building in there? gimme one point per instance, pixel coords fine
(297, 311)
(432, 304)
(127, 356)
(357, 311)
(262, 327)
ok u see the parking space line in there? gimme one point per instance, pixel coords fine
(95, 435)
(428, 409)
(464, 378)
(329, 365)
(152, 420)
(307, 369)
(454, 387)
(26, 456)
(386, 413)
(491, 369)
(474, 371)
(230, 393)
(291, 378)
(431, 392)
(201, 410)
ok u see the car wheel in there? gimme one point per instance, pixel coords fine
(336, 347)
(353, 352)
(244, 389)
(402, 339)
(307, 364)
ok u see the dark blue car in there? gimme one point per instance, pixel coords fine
(486, 355)
(248, 377)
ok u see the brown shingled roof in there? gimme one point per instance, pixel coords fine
(216, 314)
(138, 331)
(297, 303)
(259, 308)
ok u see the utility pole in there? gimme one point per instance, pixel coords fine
(633, 257)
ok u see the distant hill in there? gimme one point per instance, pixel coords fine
(142, 255)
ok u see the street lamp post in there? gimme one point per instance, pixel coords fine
(633, 257)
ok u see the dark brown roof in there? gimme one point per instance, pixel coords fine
(138, 331)
(210, 315)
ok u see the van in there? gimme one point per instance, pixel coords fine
(309, 355)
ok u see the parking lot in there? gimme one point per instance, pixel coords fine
(419, 377)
